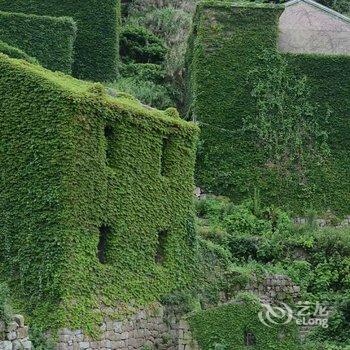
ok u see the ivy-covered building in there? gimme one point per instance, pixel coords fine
(96, 197)
(237, 56)
(80, 36)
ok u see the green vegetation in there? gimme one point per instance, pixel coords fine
(142, 72)
(100, 188)
(229, 78)
(97, 187)
(149, 92)
(170, 22)
(5, 308)
(249, 242)
(49, 40)
(14, 52)
(139, 45)
(96, 46)
(226, 327)
(285, 124)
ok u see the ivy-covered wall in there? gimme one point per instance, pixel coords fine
(225, 47)
(50, 40)
(97, 44)
(14, 52)
(228, 327)
(96, 197)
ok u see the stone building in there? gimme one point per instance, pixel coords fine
(230, 53)
(309, 27)
(96, 197)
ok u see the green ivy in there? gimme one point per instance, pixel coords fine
(225, 327)
(225, 47)
(49, 40)
(14, 52)
(5, 308)
(96, 49)
(77, 162)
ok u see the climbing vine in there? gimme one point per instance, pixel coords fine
(285, 124)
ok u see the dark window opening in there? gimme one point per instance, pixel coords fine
(249, 339)
(163, 157)
(102, 244)
(109, 137)
(161, 247)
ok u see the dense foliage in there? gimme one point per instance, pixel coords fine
(96, 46)
(79, 165)
(250, 241)
(142, 71)
(5, 308)
(235, 160)
(50, 40)
(96, 188)
(226, 327)
(139, 45)
(170, 22)
(14, 52)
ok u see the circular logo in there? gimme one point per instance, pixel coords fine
(275, 315)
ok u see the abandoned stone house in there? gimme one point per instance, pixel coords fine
(97, 192)
(226, 49)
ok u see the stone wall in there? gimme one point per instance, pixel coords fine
(274, 288)
(307, 28)
(331, 221)
(155, 327)
(14, 335)
(270, 290)
(186, 340)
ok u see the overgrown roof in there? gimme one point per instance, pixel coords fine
(96, 90)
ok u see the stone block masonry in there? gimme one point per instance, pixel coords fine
(14, 335)
(332, 221)
(307, 27)
(186, 339)
(274, 288)
(155, 327)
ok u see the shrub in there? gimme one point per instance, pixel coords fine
(212, 207)
(338, 326)
(241, 221)
(228, 325)
(173, 26)
(147, 92)
(171, 21)
(139, 45)
(143, 71)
